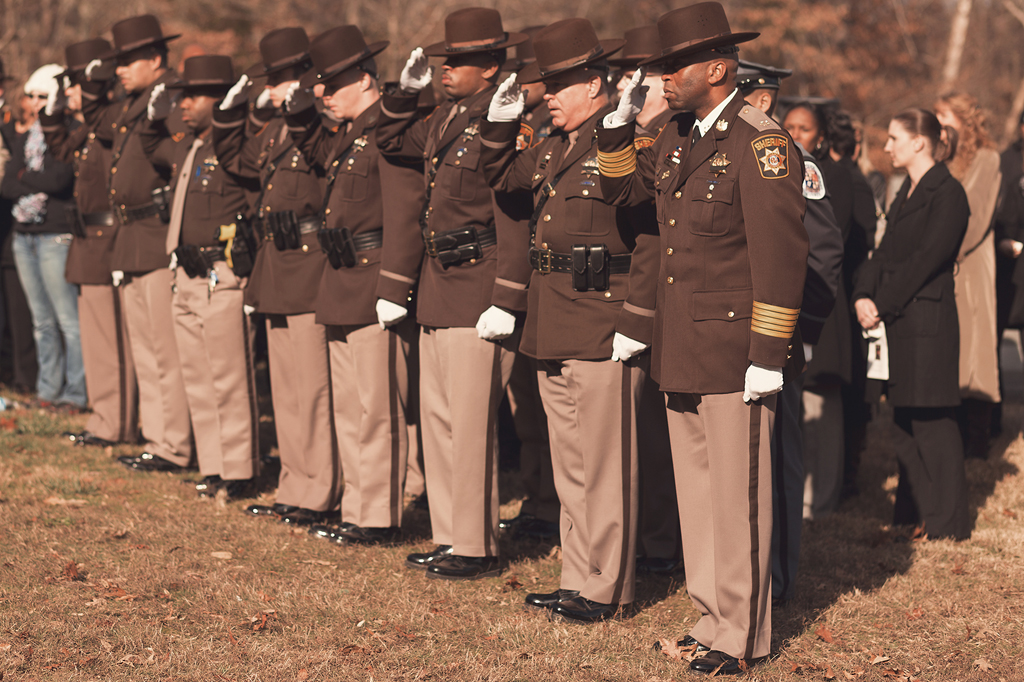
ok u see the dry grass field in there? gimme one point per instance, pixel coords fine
(107, 574)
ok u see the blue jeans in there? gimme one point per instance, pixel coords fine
(54, 303)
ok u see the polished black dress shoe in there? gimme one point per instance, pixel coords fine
(652, 565)
(716, 663)
(455, 567)
(238, 488)
(270, 509)
(425, 559)
(551, 599)
(149, 462)
(209, 486)
(351, 534)
(91, 439)
(582, 610)
(303, 517)
(327, 531)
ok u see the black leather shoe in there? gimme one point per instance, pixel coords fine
(303, 517)
(653, 565)
(455, 567)
(238, 488)
(716, 663)
(351, 534)
(208, 486)
(91, 439)
(270, 509)
(535, 528)
(149, 462)
(551, 599)
(328, 531)
(425, 559)
(582, 610)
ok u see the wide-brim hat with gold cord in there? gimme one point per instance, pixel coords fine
(565, 45)
(473, 30)
(337, 50)
(693, 29)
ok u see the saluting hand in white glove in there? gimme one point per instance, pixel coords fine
(417, 72)
(237, 95)
(263, 99)
(495, 324)
(630, 104)
(160, 103)
(761, 381)
(56, 101)
(508, 102)
(97, 70)
(298, 98)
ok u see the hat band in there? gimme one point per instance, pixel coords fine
(287, 61)
(138, 44)
(690, 43)
(574, 61)
(343, 64)
(467, 45)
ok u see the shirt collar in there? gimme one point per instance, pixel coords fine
(709, 120)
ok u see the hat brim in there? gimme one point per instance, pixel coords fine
(441, 50)
(312, 77)
(700, 46)
(533, 74)
(630, 62)
(200, 85)
(287, 65)
(118, 51)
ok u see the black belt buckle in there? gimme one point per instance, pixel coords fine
(122, 213)
(542, 261)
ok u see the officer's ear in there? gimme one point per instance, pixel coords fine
(718, 70)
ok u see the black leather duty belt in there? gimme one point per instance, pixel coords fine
(341, 246)
(545, 260)
(98, 219)
(265, 226)
(455, 246)
(130, 215)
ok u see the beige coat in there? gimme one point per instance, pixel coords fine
(976, 283)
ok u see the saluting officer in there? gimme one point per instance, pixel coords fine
(471, 276)
(733, 260)
(109, 370)
(140, 260)
(286, 277)
(212, 330)
(590, 306)
(369, 376)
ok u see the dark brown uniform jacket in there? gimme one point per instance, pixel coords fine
(730, 212)
(258, 146)
(215, 195)
(89, 257)
(347, 296)
(910, 280)
(562, 323)
(460, 198)
(139, 246)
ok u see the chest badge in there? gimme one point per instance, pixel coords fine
(719, 163)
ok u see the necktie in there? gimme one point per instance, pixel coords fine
(696, 135)
(180, 190)
(573, 136)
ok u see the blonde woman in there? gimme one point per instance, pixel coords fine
(976, 166)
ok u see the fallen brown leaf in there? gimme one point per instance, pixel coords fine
(880, 658)
(221, 555)
(824, 634)
(891, 673)
(491, 637)
(1010, 513)
(915, 614)
(303, 675)
(983, 665)
(670, 648)
(71, 571)
(512, 583)
(958, 568)
(87, 661)
(829, 675)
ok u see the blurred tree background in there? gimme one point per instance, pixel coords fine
(875, 56)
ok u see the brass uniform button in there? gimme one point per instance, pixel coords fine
(551, 193)
(270, 186)
(99, 233)
(544, 245)
(709, 195)
(732, 314)
(672, 222)
(607, 294)
(670, 279)
(669, 251)
(305, 247)
(113, 171)
(327, 211)
(547, 218)
(678, 195)
(364, 261)
(586, 192)
(124, 129)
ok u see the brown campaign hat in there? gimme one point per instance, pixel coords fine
(78, 55)
(284, 47)
(474, 29)
(693, 29)
(206, 71)
(524, 54)
(137, 32)
(565, 45)
(641, 43)
(335, 51)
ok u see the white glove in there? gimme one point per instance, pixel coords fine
(237, 95)
(389, 313)
(160, 103)
(298, 99)
(761, 381)
(263, 100)
(630, 104)
(117, 276)
(508, 102)
(623, 347)
(495, 324)
(808, 352)
(174, 261)
(55, 102)
(417, 74)
(248, 309)
(99, 71)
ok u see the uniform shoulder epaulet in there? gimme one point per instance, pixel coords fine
(757, 119)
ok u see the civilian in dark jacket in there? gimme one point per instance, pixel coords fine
(908, 285)
(41, 188)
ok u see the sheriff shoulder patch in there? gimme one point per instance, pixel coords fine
(771, 152)
(643, 142)
(814, 186)
(524, 140)
(178, 137)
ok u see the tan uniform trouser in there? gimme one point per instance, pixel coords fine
(109, 368)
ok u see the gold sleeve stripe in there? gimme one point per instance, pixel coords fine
(617, 164)
(774, 316)
(768, 308)
(757, 324)
(778, 335)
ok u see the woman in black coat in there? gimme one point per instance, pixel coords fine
(908, 285)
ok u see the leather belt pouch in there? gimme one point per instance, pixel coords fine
(590, 270)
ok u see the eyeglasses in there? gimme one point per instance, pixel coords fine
(36, 96)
